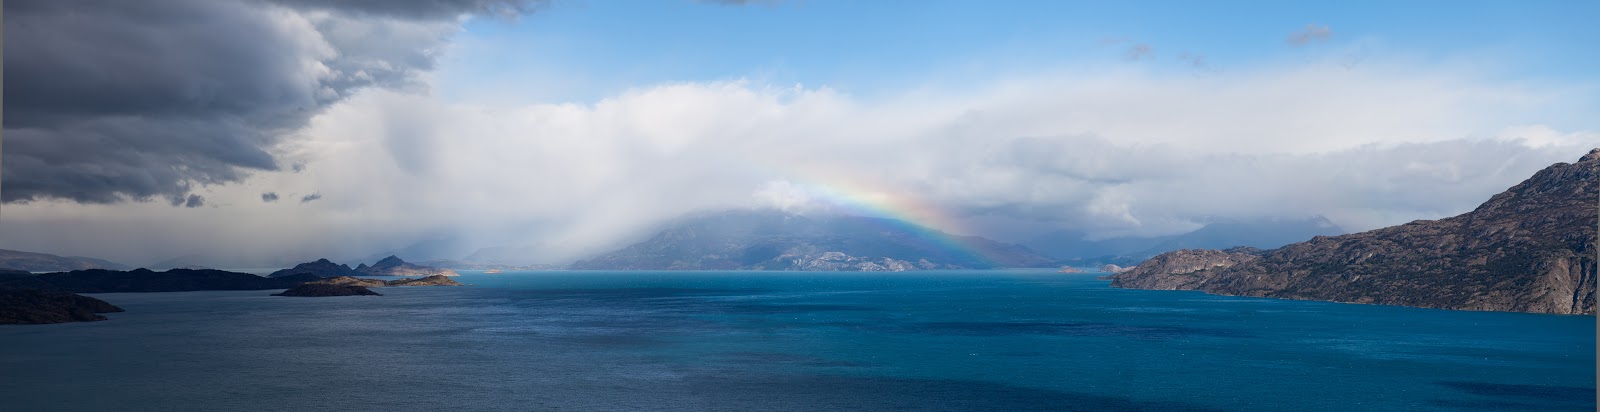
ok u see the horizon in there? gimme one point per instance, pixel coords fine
(289, 131)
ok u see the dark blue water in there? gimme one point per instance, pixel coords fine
(992, 340)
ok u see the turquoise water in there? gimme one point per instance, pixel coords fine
(983, 340)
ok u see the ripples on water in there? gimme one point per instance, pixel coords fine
(994, 340)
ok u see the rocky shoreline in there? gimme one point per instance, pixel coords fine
(1528, 249)
(32, 306)
(327, 289)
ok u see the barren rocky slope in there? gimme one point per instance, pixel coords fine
(1528, 249)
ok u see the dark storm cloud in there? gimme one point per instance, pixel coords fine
(269, 197)
(311, 197)
(116, 100)
(194, 201)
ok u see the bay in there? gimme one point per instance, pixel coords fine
(945, 340)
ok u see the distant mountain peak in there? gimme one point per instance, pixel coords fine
(771, 239)
(44, 262)
(390, 261)
(1265, 233)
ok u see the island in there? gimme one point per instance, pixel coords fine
(33, 306)
(393, 266)
(326, 289)
(435, 280)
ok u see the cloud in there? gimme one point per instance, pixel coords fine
(114, 101)
(1196, 61)
(194, 201)
(311, 197)
(269, 197)
(1310, 34)
(1139, 52)
(1117, 150)
(421, 9)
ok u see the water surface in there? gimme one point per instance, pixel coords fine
(960, 340)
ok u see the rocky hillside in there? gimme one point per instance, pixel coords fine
(393, 266)
(1529, 249)
(42, 262)
(773, 240)
(321, 268)
(31, 306)
(435, 280)
(1261, 233)
(145, 280)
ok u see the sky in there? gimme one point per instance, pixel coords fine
(263, 132)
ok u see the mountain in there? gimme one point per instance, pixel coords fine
(1528, 249)
(41, 262)
(478, 265)
(443, 248)
(774, 240)
(388, 266)
(145, 280)
(394, 266)
(1071, 244)
(321, 268)
(1262, 233)
(234, 259)
(524, 257)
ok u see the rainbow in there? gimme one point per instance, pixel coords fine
(899, 211)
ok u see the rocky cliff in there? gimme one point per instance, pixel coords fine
(1528, 249)
(393, 266)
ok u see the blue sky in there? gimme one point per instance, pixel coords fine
(584, 50)
(585, 124)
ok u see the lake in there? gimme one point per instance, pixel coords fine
(695, 341)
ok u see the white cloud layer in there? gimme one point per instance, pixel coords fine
(1115, 152)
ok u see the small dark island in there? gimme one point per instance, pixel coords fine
(324, 289)
(33, 306)
(435, 280)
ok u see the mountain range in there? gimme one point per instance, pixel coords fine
(1528, 249)
(388, 266)
(43, 262)
(776, 240)
(1259, 233)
